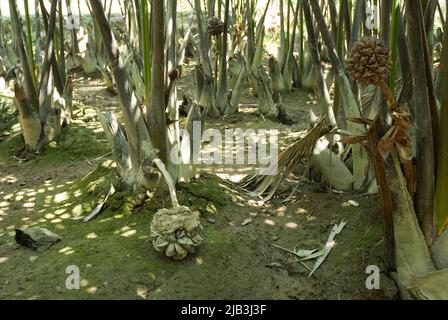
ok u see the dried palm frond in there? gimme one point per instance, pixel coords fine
(261, 183)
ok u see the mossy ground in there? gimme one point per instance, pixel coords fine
(116, 258)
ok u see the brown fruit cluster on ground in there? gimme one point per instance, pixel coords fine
(369, 61)
(176, 231)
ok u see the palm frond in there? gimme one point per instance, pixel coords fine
(260, 183)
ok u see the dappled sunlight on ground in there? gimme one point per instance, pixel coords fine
(43, 201)
(114, 252)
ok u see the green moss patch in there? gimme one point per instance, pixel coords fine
(207, 194)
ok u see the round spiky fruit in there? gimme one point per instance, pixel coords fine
(369, 61)
(215, 26)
